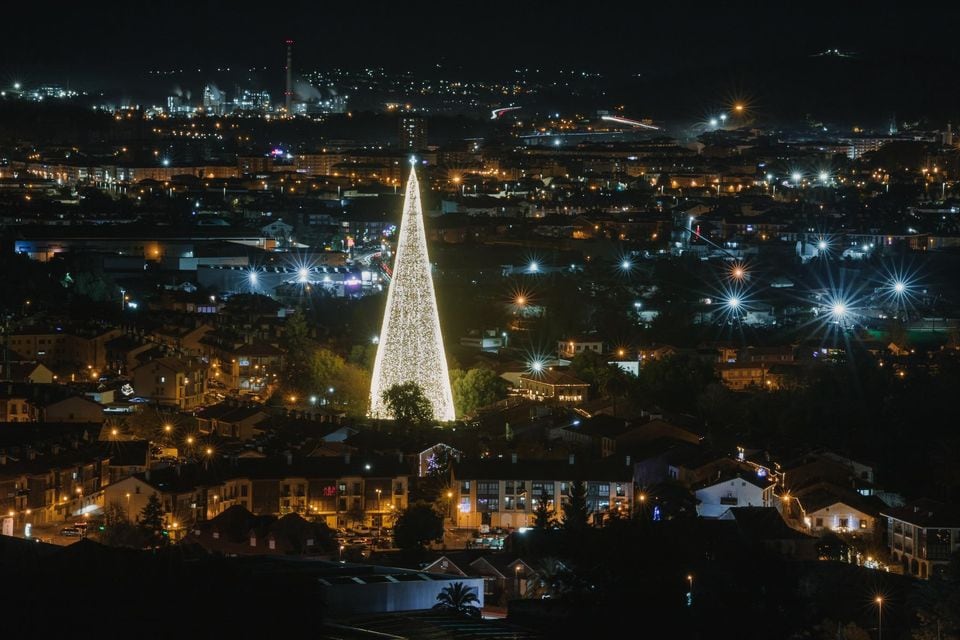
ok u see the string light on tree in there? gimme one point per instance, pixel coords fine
(411, 345)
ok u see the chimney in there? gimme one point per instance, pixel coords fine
(346, 457)
(289, 457)
(572, 458)
(400, 457)
(288, 95)
(513, 458)
(146, 474)
(629, 461)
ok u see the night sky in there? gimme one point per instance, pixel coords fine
(744, 43)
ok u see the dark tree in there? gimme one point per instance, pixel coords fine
(151, 521)
(407, 404)
(460, 599)
(118, 531)
(298, 362)
(542, 516)
(575, 511)
(476, 388)
(418, 525)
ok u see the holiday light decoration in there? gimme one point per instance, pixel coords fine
(411, 346)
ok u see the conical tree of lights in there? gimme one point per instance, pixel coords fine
(411, 347)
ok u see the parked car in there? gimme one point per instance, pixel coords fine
(71, 532)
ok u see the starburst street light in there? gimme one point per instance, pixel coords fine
(533, 267)
(824, 177)
(796, 176)
(303, 274)
(839, 310)
(625, 265)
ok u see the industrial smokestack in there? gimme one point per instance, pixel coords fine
(288, 95)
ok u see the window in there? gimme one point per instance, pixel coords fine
(621, 492)
(488, 504)
(521, 503)
(863, 524)
(844, 523)
(243, 491)
(508, 503)
(488, 487)
(465, 486)
(356, 488)
(342, 488)
(508, 488)
(819, 522)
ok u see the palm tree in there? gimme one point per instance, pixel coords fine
(460, 599)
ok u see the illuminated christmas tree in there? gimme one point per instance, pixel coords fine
(411, 347)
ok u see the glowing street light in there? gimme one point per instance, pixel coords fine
(822, 244)
(303, 274)
(839, 311)
(738, 272)
(733, 303)
(899, 287)
(824, 176)
(521, 300)
(626, 265)
(714, 122)
(879, 601)
(534, 267)
(796, 176)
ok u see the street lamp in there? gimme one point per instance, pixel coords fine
(879, 601)
(516, 571)
(341, 553)
(379, 513)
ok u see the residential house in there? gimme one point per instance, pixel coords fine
(574, 346)
(230, 420)
(429, 458)
(764, 526)
(14, 407)
(71, 409)
(826, 507)
(923, 536)
(341, 491)
(503, 578)
(503, 494)
(127, 458)
(597, 434)
(78, 347)
(558, 386)
(33, 372)
(733, 488)
(172, 381)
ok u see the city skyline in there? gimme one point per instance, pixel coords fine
(481, 320)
